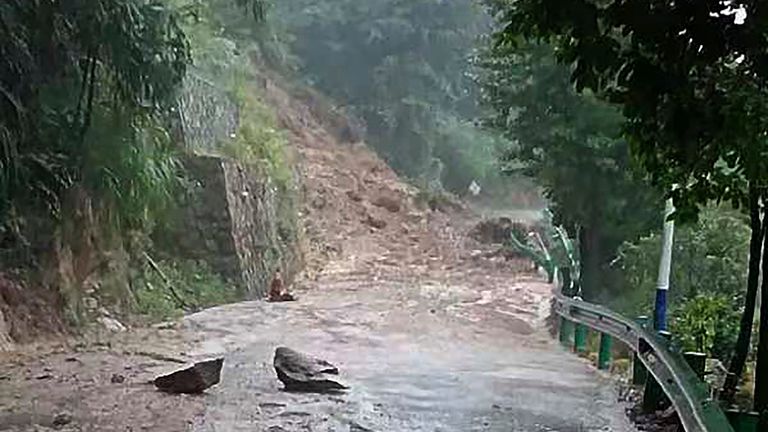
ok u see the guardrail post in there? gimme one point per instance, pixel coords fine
(743, 421)
(565, 275)
(604, 355)
(566, 327)
(580, 339)
(566, 332)
(639, 372)
(698, 362)
(654, 398)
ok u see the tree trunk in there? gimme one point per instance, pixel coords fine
(741, 350)
(761, 369)
(590, 254)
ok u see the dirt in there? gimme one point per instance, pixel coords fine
(430, 328)
(27, 313)
(101, 383)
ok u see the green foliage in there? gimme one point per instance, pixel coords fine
(58, 62)
(691, 83)
(707, 323)
(259, 141)
(708, 258)
(221, 55)
(468, 153)
(193, 281)
(402, 67)
(709, 272)
(131, 165)
(571, 145)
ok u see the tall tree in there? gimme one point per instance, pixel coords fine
(400, 65)
(60, 64)
(572, 145)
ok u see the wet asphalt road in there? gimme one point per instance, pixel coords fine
(460, 361)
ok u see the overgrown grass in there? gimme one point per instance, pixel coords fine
(179, 287)
(259, 141)
(226, 61)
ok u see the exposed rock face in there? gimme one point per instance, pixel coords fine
(236, 219)
(301, 372)
(192, 380)
(238, 222)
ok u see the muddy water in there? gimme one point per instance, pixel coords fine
(415, 361)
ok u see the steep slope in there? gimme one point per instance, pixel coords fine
(364, 223)
(384, 274)
(429, 330)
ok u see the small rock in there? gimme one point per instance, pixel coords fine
(62, 419)
(301, 372)
(117, 379)
(354, 196)
(192, 380)
(90, 303)
(112, 324)
(357, 427)
(168, 325)
(388, 202)
(376, 222)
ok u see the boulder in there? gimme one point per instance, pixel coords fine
(111, 324)
(192, 380)
(375, 222)
(304, 373)
(388, 202)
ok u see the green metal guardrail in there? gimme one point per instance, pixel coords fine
(685, 390)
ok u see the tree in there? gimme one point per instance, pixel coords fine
(690, 77)
(571, 144)
(402, 67)
(69, 71)
(65, 64)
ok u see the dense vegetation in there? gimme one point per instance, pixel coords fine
(572, 145)
(71, 73)
(89, 112)
(690, 80)
(403, 68)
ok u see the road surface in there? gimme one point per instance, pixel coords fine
(418, 355)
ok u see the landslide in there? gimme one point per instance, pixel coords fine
(368, 228)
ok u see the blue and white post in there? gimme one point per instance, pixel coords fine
(665, 265)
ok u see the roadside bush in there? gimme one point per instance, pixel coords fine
(179, 286)
(708, 324)
(707, 282)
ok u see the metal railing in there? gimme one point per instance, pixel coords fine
(697, 411)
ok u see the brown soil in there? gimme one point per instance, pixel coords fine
(363, 224)
(73, 379)
(27, 313)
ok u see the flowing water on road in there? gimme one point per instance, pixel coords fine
(419, 355)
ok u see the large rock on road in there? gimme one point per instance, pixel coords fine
(192, 380)
(304, 373)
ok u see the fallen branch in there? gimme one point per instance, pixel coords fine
(168, 283)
